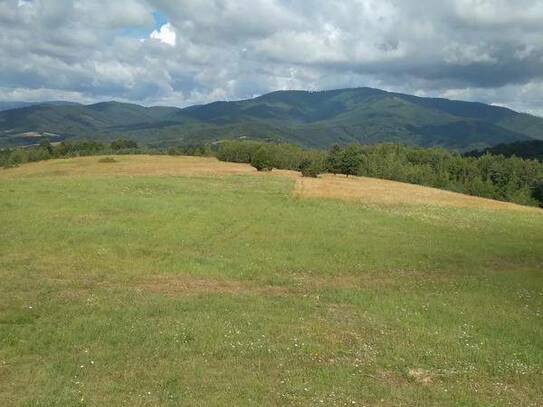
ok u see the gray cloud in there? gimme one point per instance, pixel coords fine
(90, 50)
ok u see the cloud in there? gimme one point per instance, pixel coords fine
(196, 51)
(24, 3)
(166, 35)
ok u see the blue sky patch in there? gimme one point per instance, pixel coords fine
(140, 32)
(160, 19)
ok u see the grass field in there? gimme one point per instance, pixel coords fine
(185, 281)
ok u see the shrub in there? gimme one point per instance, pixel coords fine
(237, 151)
(310, 168)
(261, 160)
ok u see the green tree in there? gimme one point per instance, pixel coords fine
(310, 167)
(261, 160)
(537, 193)
(351, 158)
(333, 160)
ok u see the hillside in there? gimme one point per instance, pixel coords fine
(167, 281)
(13, 105)
(311, 119)
(18, 105)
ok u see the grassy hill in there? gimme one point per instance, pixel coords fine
(186, 281)
(311, 119)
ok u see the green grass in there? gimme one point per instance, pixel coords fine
(227, 291)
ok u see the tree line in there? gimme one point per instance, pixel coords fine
(266, 156)
(46, 150)
(491, 176)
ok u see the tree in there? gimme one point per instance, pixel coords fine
(537, 193)
(310, 167)
(350, 160)
(261, 160)
(333, 159)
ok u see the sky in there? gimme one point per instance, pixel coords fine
(184, 52)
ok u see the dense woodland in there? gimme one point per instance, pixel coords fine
(488, 175)
(532, 150)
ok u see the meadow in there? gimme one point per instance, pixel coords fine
(167, 281)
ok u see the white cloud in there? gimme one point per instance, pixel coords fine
(166, 35)
(500, 12)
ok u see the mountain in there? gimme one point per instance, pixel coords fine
(311, 119)
(13, 105)
(18, 105)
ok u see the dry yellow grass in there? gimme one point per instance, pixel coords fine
(369, 191)
(380, 192)
(133, 165)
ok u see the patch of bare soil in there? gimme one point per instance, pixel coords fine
(188, 285)
(420, 375)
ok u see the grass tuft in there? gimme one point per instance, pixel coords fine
(107, 160)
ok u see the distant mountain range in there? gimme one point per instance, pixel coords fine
(18, 105)
(310, 119)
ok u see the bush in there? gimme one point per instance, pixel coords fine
(237, 151)
(261, 160)
(310, 168)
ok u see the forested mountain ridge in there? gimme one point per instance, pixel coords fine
(310, 119)
(531, 150)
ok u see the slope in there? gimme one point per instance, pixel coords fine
(122, 285)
